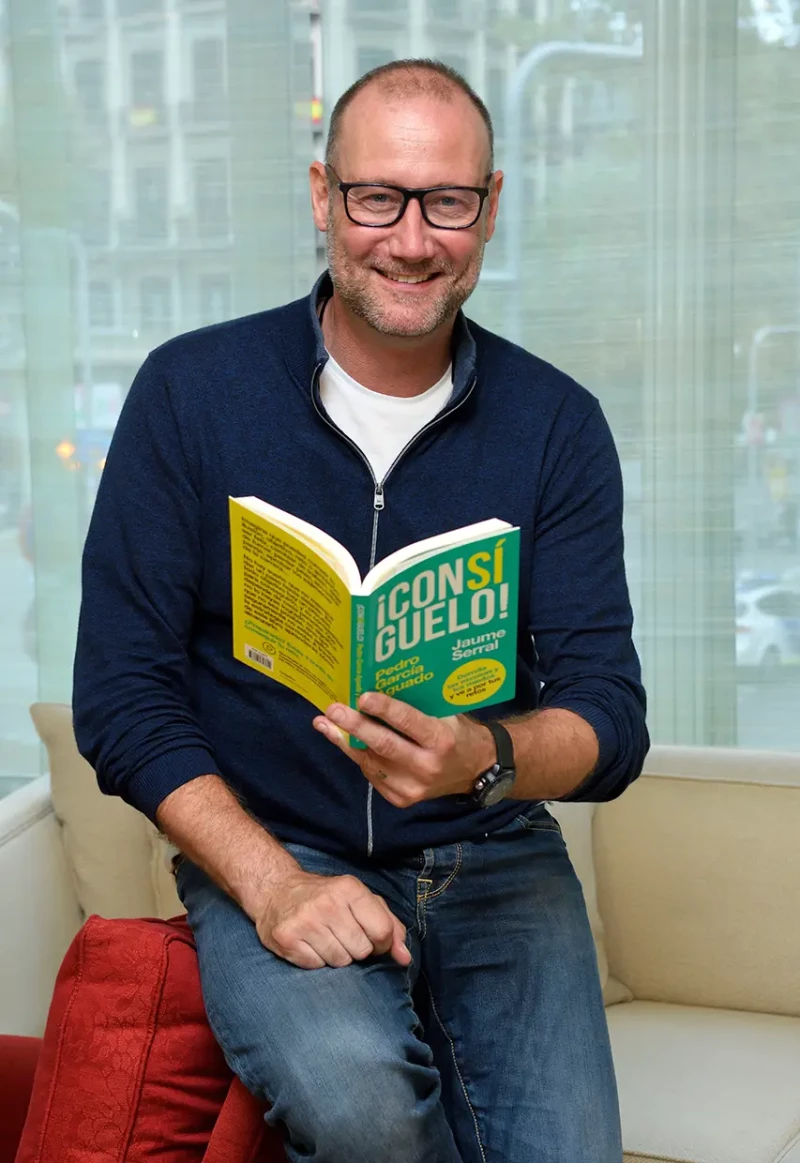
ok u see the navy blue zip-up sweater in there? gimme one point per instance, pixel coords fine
(235, 410)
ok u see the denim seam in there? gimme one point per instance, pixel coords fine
(234, 1062)
(470, 1107)
(429, 896)
(422, 919)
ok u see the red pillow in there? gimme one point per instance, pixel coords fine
(129, 1068)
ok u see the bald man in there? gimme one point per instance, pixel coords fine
(393, 945)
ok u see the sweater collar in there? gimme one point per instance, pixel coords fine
(464, 354)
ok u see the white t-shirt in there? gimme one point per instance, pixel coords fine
(380, 425)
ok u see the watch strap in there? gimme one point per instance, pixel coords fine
(503, 742)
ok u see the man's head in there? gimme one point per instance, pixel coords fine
(412, 124)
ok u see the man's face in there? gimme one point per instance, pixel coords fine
(411, 142)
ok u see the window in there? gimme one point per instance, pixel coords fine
(214, 299)
(371, 8)
(147, 87)
(101, 304)
(372, 58)
(155, 303)
(445, 9)
(93, 206)
(140, 7)
(208, 73)
(116, 265)
(457, 62)
(211, 197)
(90, 89)
(686, 334)
(496, 97)
(150, 194)
(780, 604)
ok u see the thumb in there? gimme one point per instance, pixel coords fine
(400, 951)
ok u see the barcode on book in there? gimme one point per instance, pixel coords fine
(265, 660)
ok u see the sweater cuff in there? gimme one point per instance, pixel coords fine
(152, 783)
(608, 745)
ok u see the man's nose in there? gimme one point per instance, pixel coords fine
(411, 239)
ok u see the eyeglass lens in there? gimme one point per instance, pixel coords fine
(382, 205)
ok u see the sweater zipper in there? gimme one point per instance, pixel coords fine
(379, 503)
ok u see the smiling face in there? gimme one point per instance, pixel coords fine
(411, 278)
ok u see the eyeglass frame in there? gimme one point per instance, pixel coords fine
(408, 193)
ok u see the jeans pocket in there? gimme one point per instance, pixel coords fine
(536, 818)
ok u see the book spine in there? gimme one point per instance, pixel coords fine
(357, 650)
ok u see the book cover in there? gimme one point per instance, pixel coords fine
(434, 625)
(442, 633)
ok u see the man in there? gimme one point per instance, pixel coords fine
(401, 967)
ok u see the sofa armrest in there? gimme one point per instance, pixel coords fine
(39, 912)
(698, 880)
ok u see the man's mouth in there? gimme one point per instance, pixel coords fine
(409, 279)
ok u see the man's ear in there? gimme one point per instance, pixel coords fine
(496, 185)
(320, 190)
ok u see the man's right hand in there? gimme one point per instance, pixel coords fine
(313, 921)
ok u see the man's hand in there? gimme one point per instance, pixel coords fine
(313, 921)
(414, 757)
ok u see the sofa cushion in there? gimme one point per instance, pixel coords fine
(706, 1086)
(575, 821)
(129, 1067)
(118, 861)
(699, 891)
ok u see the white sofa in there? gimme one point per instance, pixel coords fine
(692, 881)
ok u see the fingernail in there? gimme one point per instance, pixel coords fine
(337, 714)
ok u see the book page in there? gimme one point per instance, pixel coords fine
(412, 554)
(291, 609)
(321, 542)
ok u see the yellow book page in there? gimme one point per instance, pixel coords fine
(291, 610)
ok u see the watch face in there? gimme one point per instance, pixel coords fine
(499, 789)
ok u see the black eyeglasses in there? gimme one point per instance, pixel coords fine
(445, 207)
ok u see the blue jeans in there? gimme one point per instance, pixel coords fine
(491, 1047)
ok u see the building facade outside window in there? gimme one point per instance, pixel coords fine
(208, 77)
(211, 197)
(214, 298)
(147, 88)
(101, 304)
(90, 89)
(150, 200)
(155, 303)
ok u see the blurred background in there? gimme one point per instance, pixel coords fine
(153, 179)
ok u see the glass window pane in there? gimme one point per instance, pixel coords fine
(211, 195)
(150, 196)
(111, 243)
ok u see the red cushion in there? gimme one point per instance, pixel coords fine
(129, 1067)
(241, 1135)
(18, 1058)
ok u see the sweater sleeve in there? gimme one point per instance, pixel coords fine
(580, 614)
(142, 566)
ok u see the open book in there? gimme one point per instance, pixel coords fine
(434, 624)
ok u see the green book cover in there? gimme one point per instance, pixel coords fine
(441, 634)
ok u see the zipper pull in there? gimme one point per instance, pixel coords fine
(378, 500)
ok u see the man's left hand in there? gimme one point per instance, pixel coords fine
(410, 757)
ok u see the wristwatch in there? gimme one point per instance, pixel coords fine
(493, 785)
